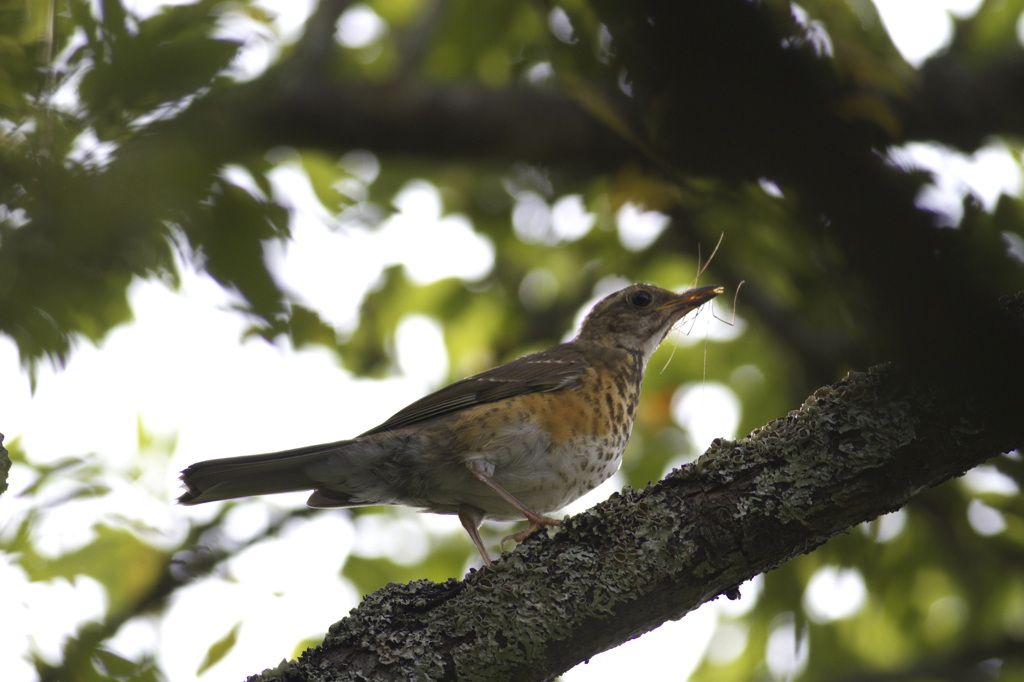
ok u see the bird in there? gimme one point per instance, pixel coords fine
(518, 441)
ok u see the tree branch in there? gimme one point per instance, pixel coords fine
(443, 122)
(968, 665)
(5, 465)
(853, 451)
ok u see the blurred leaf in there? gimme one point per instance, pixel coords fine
(446, 560)
(398, 11)
(990, 31)
(324, 174)
(116, 666)
(482, 54)
(161, 59)
(84, 471)
(306, 328)
(219, 649)
(150, 441)
(229, 231)
(114, 17)
(126, 566)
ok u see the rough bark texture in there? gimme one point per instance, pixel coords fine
(5, 465)
(853, 451)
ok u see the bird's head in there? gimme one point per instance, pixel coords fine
(639, 317)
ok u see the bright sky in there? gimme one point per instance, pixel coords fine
(181, 368)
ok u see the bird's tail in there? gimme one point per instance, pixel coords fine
(277, 472)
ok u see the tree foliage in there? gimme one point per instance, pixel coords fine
(134, 147)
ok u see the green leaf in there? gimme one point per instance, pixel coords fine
(153, 442)
(115, 18)
(219, 649)
(306, 328)
(323, 173)
(114, 665)
(126, 566)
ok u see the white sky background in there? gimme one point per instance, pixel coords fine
(181, 367)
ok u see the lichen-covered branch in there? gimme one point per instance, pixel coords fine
(5, 465)
(853, 451)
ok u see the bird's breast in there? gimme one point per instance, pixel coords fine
(550, 448)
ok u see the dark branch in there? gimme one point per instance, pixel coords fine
(441, 122)
(969, 665)
(5, 465)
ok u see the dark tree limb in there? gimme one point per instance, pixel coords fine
(969, 665)
(853, 451)
(442, 122)
(5, 465)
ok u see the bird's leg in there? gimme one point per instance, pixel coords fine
(471, 518)
(482, 471)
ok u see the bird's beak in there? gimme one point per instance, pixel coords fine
(694, 298)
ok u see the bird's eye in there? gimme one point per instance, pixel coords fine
(641, 298)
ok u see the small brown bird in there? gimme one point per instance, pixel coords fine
(520, 440)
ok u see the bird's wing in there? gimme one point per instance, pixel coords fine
(548, 370)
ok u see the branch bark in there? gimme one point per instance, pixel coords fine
(853, 451)
(5, 465)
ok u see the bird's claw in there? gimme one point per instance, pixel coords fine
(536, 523)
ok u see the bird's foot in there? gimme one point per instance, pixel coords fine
(536, 523)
